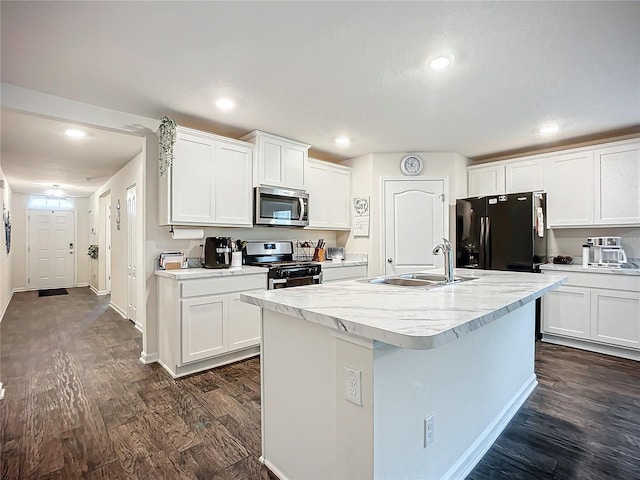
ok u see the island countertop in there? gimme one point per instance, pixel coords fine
(408, 317)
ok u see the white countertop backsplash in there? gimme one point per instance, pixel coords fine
(632, 267)
(350, 260)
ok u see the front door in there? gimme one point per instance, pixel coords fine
(132, 303)
(415, 220)
(51, 249)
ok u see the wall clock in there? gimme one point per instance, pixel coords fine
(411, 165)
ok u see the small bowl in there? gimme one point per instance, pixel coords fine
(562, 259)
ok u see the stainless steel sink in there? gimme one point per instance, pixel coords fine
(420, 280)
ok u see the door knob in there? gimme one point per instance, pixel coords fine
(389, 260)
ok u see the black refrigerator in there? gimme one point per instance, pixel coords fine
(503, 232)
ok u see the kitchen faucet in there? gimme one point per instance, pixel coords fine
(446, 248)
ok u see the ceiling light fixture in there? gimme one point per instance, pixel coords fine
(549, 129)
(225, 104)
(440, 63)
(56, 192)
(74, 133)
(343, 141)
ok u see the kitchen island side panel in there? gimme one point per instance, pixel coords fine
(473, 386)
(309, 430)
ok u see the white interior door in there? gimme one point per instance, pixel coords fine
(415, 220)
(132, 301)
(51, 249)
(107, 244)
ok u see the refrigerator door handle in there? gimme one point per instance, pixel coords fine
(487, 241)
(482, 249)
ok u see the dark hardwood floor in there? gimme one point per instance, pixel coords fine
(79, 404)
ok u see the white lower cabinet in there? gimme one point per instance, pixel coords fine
(203, 323)
(343, 272)
(599, 312)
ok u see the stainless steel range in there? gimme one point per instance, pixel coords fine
(284, 271)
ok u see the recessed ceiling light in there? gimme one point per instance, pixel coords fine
(74, 133)
(225, 104)
(440, 63)
(343, 141)
(549, 129)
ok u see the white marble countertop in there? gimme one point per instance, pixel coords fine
(410, 317)
(191, 273)
(343, 263)
(631, 269)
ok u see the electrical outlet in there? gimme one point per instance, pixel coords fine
(429, 430)
(352, 385)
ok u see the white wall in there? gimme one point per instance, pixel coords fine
(19, 219)
(6, 288)
(366, 176)
(116, 188)
(568, 241)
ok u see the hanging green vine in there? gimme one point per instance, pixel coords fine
(167, 135)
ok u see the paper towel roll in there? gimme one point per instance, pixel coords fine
(187, 233)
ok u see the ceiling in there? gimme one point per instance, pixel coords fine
(314, 70)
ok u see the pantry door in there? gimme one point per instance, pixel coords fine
(415, 219)
(51, 249)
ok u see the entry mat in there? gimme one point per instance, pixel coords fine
(52, 291)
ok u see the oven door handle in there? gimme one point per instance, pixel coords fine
(301, 200)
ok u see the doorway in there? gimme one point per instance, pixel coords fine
(51, 249)
(132, 254)
(104, 241)
(415, 218)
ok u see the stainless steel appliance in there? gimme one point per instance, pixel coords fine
(284, 271)
(281, 207)
(501, 232)
(217, 252)
(607, 252)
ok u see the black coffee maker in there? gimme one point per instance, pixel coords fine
(217, 252)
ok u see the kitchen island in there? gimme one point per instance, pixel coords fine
(363, 380)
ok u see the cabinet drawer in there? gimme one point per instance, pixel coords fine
(226, 284)
(344, 273)
(603, 280)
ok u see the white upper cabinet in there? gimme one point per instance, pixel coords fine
(524, 176)
(209, 182)
(597, 185)
(568, 180)
(279, 162)
(329, 187)
(617, 184)
(486, 180)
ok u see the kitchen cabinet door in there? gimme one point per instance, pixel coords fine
(489, 180)
(329, 188)
(192, 181)
(204, 327)
(567, 311)
(233, 185)
(616, 317)
(295, 159)
(617, 184)
(524, 176)
(279, 162)
(568, 181)
(244, 323)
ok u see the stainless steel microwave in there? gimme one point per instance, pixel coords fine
(281, 207)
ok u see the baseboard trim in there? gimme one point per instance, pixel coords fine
(82, 284)
(274, 470)
(6, 305)
(138, 326)
(595, 347)
(148, 358)
(120, 312)
(476, 451)
(100, 293)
